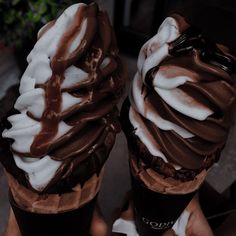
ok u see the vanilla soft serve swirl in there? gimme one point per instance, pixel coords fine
(68, 95)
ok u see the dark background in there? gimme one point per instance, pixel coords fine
(216, 19)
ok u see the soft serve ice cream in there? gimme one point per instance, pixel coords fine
(66, 119)
(176, 120)
(181, 100)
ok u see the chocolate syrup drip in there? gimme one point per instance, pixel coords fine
(148, 80)
(50, 118)
(193, 39)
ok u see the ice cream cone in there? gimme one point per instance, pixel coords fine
(176, 120)
(159, 201)
(64, 123)
(51, 211)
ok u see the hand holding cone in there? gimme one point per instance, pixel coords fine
(195, 224)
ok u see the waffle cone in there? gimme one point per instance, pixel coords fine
(54, 203)
(158, 183)
(158, 201)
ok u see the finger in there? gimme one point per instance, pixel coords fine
(12, 228)
(169, 233)
(98, 225)
(197, 223)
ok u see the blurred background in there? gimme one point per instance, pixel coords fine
(134, 21)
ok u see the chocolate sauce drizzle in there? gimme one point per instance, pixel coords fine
(193, 39)
(94, 121)
(50, 118)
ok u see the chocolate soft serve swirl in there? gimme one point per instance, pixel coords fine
(68, 117)
(181, 100)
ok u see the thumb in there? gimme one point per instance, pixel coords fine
(98, 225)
(169, 233)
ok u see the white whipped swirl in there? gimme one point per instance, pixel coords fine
(24, 129)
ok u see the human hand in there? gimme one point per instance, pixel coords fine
(191, 223)
(12, 228)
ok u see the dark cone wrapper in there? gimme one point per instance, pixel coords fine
(155, 213)
(73, 223)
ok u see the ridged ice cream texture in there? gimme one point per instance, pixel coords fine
(32, 97)
(166, 82)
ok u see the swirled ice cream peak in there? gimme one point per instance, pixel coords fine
(151, 55)
(174, 100)
(53, 88)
